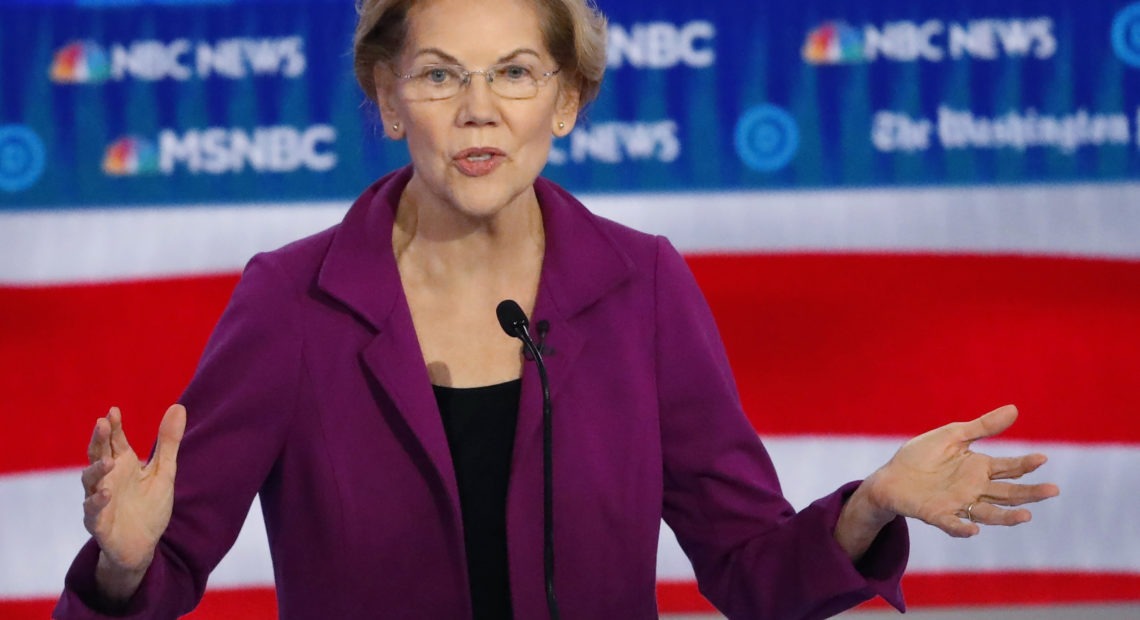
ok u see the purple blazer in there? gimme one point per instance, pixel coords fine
(312, 391)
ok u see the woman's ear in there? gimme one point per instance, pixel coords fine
(565, 112)
(386, 101)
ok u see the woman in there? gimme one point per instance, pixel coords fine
(360, 383)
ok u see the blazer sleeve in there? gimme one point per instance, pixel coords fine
(239, 405)
(753, 555)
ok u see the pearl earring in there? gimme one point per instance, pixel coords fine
(395, 127)
(561, 125)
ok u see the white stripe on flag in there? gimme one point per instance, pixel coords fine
(1100, 220)
(41, 530)
(1091, 527)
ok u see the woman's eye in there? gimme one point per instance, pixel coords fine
(515, 72)
(437, 75)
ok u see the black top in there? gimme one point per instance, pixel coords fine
(480, 427)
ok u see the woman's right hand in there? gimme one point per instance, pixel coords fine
(128, 504)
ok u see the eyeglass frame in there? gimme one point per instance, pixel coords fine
(488, 75)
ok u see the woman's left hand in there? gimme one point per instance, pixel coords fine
(938, 479)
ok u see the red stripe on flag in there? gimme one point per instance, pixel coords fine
(834, 344)
(921, 591)
(238, 604)
(870, 344)
(962, 590)
(68, 353)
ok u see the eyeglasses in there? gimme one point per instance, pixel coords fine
(509, 80)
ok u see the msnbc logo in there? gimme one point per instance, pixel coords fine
(80, 62)
(833, 43)
(221, 150)
(129, 156)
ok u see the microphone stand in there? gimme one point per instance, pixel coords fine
(514, 322)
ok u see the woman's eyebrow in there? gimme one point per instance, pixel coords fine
(518, 52)
(453, 60)
(448, 58)
(438, 52)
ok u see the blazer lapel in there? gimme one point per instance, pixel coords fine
(360, 272)
(581, 264)
(395, 362)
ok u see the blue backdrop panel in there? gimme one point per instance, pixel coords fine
(128, 102)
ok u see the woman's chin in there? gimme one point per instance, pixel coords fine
(485, 202)
(475, 198)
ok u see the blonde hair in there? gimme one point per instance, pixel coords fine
(574, 32)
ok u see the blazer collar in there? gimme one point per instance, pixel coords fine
(582, 262)
(360, 267)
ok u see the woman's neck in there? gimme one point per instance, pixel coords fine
(440, 241)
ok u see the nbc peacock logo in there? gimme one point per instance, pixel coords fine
(833, 43)
(80, 62)
(130, 156)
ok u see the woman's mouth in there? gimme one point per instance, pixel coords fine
(479, 161)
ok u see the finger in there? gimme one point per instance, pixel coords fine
(98, 501)
(1008, 494)
(100, 445)
(170, 432)
(94, 473)
(989, 514)
(1007, 468)
(955, 526)
(92, 507)
(119, 443)
(990, 424)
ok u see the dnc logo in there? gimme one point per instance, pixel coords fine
(130, 156)
(766, 138)
(80, 62)
(1126, 34)
(22, 158)
(833, 43)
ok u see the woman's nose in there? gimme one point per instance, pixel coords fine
(478, 104)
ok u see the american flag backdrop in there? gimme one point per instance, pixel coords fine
(902, 216)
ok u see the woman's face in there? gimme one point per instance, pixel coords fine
(476, 151)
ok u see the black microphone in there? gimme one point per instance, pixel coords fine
(514, 322)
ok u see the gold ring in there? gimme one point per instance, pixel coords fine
(970, 512)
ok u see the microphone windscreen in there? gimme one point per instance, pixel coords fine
(511, 317)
